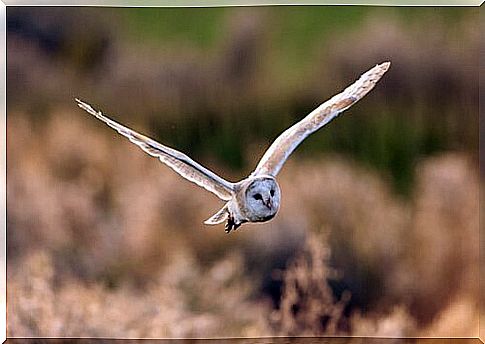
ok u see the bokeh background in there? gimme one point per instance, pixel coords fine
(378, 230)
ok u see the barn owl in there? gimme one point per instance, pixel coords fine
(256, 198)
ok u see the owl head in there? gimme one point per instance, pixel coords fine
(262, 198)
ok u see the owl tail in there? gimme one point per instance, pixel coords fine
(218, 217)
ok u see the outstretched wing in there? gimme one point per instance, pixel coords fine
(274, 158)
(176, 160)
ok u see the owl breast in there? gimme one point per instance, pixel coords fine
(259, 199)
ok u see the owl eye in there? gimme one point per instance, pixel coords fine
(257, 196)
(272, 192)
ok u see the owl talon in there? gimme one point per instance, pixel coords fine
(231, 225)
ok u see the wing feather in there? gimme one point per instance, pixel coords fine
(176, 160)
(274, 158)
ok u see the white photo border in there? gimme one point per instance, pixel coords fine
(196, 3)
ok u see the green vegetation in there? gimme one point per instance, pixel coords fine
(199, 26)
(294, 39)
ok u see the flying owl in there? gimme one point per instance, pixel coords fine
(256, 198)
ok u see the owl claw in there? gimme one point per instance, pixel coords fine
(231, 225)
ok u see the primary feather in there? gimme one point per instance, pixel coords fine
(179, 162)
(274, 158)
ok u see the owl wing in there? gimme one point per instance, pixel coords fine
(176, 160)
(274, 158)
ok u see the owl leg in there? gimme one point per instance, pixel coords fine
(231, 224)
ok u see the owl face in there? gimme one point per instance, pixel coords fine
(262, 199)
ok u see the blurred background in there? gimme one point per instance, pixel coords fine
(377, 232)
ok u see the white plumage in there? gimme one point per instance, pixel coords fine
(257, 197)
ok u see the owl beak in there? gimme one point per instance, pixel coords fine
(268, 203)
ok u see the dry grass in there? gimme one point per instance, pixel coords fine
(183, 301)
(96, 228)
(308, 306)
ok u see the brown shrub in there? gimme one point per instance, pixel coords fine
(308, 306)
(183, 302)
(116, 231)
